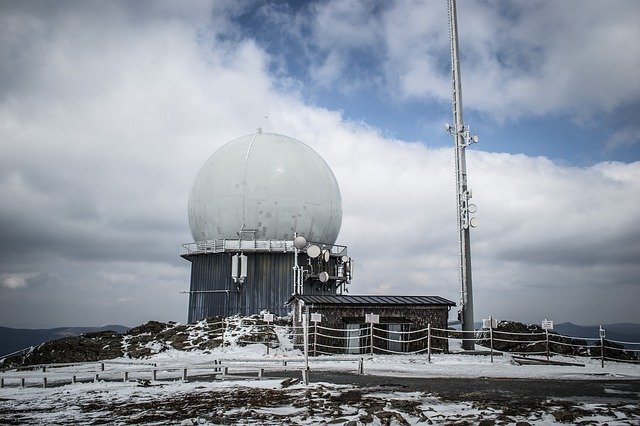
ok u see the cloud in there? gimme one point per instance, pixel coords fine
(27, 280)
(13, 282)
(623, 138)
(109, 113)
(536, 58)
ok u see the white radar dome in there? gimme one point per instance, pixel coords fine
(268, 186)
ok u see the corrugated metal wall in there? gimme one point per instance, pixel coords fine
(269, 284)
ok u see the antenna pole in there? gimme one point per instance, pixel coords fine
(462, 139)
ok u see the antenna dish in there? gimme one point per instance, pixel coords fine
(475, 138)
(472, 208)
(300, 242)
(323, 276)
(313, 251)
(473, 222)
(326, 254)
(344, 259)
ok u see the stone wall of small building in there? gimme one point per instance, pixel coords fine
(408, 317)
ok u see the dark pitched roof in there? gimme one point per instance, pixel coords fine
(371, 300)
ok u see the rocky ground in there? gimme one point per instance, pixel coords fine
(285, 401)
(149, 339)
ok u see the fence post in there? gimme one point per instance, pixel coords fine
(126, 377)
(184, 374)
(547, 337)
(22, 382)
(224, 330)
(361, 366)
(305, 333)
(44, 382)
(155, 374)
(1, 382)
(371, 338)
(601, 331)
(102, 366)
(491, 336)
(266, 337)
(429, 343)
(315, 337)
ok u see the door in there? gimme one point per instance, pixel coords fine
(353, 338)
(395, 337)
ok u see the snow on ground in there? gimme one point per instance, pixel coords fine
(249, 358)
(232, 399)
(441, 365)
(269, 402)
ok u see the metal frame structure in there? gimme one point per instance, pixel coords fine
(246, 275)
(462, 139)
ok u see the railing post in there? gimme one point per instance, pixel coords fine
(224, 330)
(315, 337)
(371, 338)
(429, 343)
(601, 332)
(305, 333)
(491, 336)
(266, 337)
(126, 377)
(361, 366)
(44, 382)
(155, 374)
(547, 337)
(184, 374)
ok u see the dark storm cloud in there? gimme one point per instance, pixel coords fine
(108, 109)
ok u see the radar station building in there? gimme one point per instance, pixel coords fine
(265, 211)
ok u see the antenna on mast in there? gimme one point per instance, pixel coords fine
(462, 139)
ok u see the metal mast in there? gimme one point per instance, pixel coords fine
(462, 139)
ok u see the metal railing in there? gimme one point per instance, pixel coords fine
(249, 246)
(378, 339)
(18, 352)
(221, 246)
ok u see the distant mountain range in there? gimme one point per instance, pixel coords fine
(623, 332)
(15, 339)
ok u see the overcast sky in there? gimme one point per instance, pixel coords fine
(108, 110)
